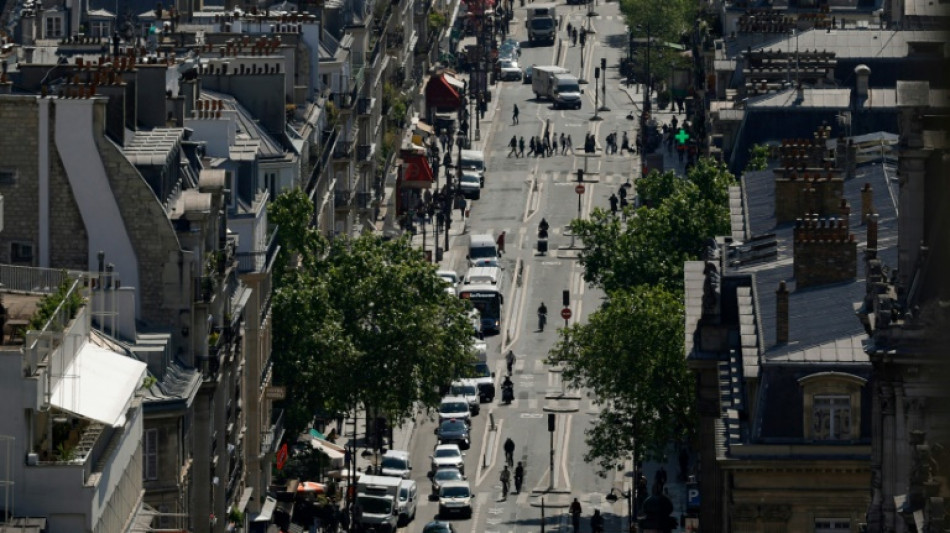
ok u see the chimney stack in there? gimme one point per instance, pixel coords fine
(867, 202)
(781, 314)
(861, 73)
(872, 235)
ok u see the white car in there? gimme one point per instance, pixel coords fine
(470, 185)
(509, 70)
(455, 407)
(468, 389)
(448, 455)
(455, 497)
(451, 279)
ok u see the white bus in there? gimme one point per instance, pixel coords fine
(489, 300)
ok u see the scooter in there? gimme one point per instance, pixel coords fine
(507, 394)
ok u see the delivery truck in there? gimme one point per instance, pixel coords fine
(558, 85)
(541, 23)
(376, 503)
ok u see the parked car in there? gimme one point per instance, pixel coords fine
(455, 497)
(396, 463)
(509, 70)
(454, 432)
(445, 474)
(511, 44)
(447, 455)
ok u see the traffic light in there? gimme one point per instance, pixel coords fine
(580, 175)
(566, 298)
(603, 64)
(551, 423)
(596, 73)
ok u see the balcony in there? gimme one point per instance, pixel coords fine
(341, 199)
(364, 106)
(342, 150)
(274, 434)
(364, 200)
(364, 152)
(262, 260)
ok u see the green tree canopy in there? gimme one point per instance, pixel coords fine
(362, 321)
(630, 355)
(665, 21)
(654, 242)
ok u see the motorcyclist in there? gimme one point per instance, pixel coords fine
(507, 390)
(509, 451)
(542, 316)
(519, 477)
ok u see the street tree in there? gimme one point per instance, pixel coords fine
(363, 322)
(661, 22)
(651, 246)
(629, 354)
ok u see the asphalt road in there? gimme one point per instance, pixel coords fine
(518, 193)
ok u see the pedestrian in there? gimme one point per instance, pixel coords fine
(575, 511)
(574, 37)
(625, 144)
(622, 192)
(570, 143)
(680, 149)
(563, 144)
(500, 242)
(554, 145)
(674, 122)
(613, 204)
(505, 478)
(660, 478)
(514, 115)
(521, 146)
(513, 144)
(510, 360)
(597, 522)
(509, 451)
(641, 490)
(519, 477)
(569, 27)
(623, 208)
(531, 150)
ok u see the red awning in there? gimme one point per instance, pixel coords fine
(417, 173)
(440, 94)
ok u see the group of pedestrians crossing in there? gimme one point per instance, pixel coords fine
(547, 145)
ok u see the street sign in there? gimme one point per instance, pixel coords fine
(579, 189)
(566, 313)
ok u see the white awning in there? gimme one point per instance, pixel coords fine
(331, 450)
(99, 384)
(267, 510)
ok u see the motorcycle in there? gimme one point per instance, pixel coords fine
(507, 394)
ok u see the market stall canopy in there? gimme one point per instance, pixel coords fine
(329, 449)
(443, 92)
(416, 171)
(311, 486)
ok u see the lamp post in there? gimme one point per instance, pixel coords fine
(603, 79)
(645, 112)
(628, 494)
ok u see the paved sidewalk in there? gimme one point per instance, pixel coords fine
(671, 160)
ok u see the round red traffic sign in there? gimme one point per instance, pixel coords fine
(579, 189)
(566, 313)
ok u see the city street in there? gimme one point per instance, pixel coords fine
(518, 193)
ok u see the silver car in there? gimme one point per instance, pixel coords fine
(509, 70)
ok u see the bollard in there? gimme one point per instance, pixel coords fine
(491, 420)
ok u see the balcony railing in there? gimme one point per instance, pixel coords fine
(262, 260)
(34, 279)
(273, 435)
(364, 200)
(343, 149)
(363, 152)
(341, 198)
(364, 106)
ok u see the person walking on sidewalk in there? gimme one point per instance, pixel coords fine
(505, 478)
(575, 511)
(513, 144)
(514, 115)
(569, 27)
(613, 204)
(597, 522)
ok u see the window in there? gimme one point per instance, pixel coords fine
(7, 176)
(831, 524)
(831, 417)
(21, 252)
(54, 27)
(831, 409)
(150, 455)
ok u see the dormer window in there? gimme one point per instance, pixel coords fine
(832, 409)
(54, 27)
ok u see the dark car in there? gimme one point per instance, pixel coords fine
(526, 77)
(438, 527)
(454, 431)
(442, 475)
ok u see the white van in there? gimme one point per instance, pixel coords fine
(396, 463)
(474, 160)
(483, 275)
(406, 500)
(482, 247)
